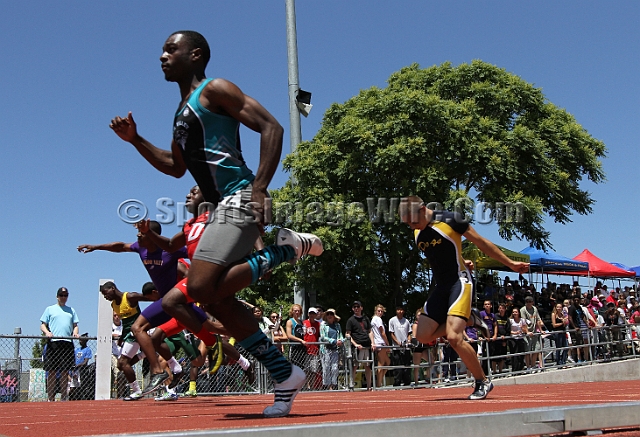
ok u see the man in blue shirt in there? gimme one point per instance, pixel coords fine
(57, 321)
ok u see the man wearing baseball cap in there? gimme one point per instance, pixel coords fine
(57, 321)
(313, 366)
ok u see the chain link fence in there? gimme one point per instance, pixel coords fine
(23, 376)
(22, 368)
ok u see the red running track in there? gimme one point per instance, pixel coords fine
(82, 418)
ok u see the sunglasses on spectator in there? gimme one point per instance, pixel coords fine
(63, 295)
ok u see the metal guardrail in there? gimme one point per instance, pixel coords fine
(23, 379)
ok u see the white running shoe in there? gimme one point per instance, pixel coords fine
(167, 396)
(303, 244)
(285, 392)
(481, 390)
(134, 396)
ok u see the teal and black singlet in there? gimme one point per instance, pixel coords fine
(210, 145)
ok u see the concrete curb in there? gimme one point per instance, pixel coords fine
(526, 422)
(520, 422)
(615, 371)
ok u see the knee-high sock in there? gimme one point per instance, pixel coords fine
(266, 259)
(269, 356)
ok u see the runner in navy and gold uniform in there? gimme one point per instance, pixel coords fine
(441, 242)
(439, 235)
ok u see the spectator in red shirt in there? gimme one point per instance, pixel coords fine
(313, 366)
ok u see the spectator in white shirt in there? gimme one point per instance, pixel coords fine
(379, 343)
(400, 330)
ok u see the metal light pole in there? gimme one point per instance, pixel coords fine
(295, 128)
(294, 82)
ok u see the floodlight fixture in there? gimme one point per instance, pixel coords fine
(303, 102)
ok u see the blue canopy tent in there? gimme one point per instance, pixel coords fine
(635, 269)
(549, 262)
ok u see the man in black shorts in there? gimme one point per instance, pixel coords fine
(358, 328)
(59, 320)
(447, 312)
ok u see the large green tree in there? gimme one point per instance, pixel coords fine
(474, 132)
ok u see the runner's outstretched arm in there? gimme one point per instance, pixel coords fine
(169, 162)
(117, 246)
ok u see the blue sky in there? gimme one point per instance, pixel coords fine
(68, 68)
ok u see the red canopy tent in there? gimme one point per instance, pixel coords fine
(599, 268)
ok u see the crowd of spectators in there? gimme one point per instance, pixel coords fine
(598, 324)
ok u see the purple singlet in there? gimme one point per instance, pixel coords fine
(162, 266)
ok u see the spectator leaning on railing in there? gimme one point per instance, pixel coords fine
(635, 314)
(517, 344)
(503, 330)
(313, 367)
(400, 332)
(559, 324)
(332, 339)
(489, 319)
(358, 328)
(295, 334)
(578, 321)
(380, 343)
(634, 320)
(535, 326)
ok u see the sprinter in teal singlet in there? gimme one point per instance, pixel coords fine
(211, 143)
(206, 142)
